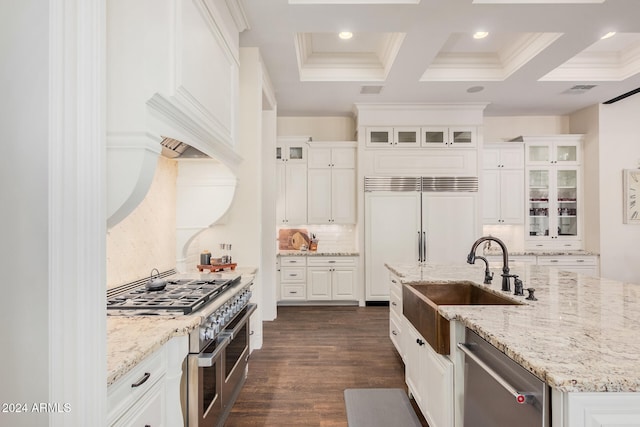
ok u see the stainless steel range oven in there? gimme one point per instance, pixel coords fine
(215, 375)
(216, 367)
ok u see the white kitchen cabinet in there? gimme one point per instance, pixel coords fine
(442, 136)
(503, 184)
(496, 260)
(291, 204)
(396, 319)
(147, 411)
(390, 137)
(291, 178)
(293, 278)
(149, 394)
(554, 211)
(292, 149)
(587, 264)
(429, 378)
(331, 185)
(595, 409)
(318, 278)
(553, 150)
(331, 278)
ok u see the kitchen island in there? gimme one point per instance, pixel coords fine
(580, 336)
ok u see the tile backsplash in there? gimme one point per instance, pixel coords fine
(146, 239)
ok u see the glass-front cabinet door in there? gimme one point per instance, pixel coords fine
(539, 190)
(551, 153)
(566, 211)
(553, 201)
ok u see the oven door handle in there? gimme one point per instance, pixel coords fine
(206, 360)
(250, 309)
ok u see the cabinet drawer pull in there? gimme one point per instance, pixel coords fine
(394, 303)
(292, 275)
(579, 260)
(553, 260)
(142, 380)
(332, 262)
(293, 292)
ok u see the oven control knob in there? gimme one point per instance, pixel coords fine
(209, 333)
(216, 327)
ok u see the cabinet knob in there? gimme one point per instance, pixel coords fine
(419, 342)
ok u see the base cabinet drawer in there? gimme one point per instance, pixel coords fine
(147, 412)
(395, 333)
(293, 274)
(294, 292)
(149, 394)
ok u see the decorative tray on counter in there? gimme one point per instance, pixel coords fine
(216, 267)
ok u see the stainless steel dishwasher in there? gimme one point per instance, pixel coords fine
(498, 392)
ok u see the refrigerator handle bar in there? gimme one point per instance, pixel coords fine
(419, 247)
(424, 246)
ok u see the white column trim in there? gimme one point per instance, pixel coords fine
(77, 223)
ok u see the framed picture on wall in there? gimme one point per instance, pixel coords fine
(631, 193)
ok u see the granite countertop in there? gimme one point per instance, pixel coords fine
(315, 253)
(132, 338)
(580, 336)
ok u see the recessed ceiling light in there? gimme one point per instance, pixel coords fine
(480, 34)
(474, 89)
(608, 35)
(345, 35)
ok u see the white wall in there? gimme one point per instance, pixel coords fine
(586, 121)
(319, 128)
(619, 149)
(497, 129)
(24, 310)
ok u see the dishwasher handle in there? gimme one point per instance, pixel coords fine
(520, 396)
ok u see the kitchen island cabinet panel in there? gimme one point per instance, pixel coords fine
(429, 377)
(149, 394)
(579, 337)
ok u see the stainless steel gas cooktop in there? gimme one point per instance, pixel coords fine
(180, 296)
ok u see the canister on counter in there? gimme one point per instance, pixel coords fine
(205, 257)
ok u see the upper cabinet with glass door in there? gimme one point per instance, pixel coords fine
(553, 150)
(392, 137)
(292, 149)
(443, 136)
(554, 192)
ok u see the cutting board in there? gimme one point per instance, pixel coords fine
(292, 239)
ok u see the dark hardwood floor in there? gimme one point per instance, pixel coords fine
(309, 357)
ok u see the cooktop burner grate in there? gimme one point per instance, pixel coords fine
(179, 296)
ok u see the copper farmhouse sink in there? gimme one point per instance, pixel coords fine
(420, 306)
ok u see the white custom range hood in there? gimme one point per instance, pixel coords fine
(172, 82)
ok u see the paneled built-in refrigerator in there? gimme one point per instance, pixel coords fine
(411, 220)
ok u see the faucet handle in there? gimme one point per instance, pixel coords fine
(517, 286)
(531, 297)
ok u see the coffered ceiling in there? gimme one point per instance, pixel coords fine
(539, 57)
